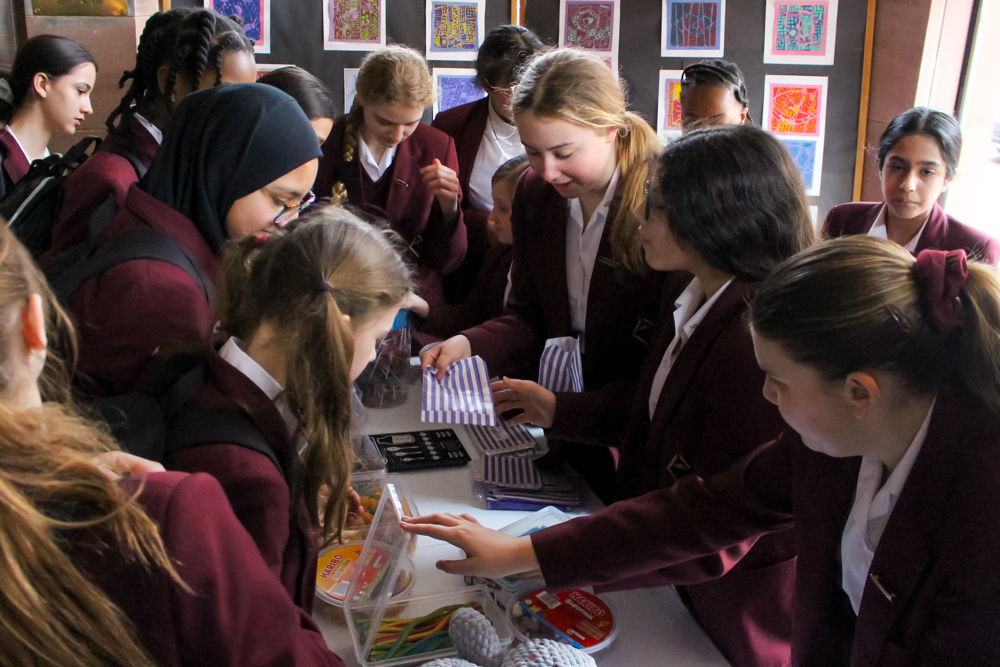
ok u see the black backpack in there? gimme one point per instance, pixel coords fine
(152, 422)
(32, 206)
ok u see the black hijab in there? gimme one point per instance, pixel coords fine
(224, 143)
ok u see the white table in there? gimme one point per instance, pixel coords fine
(654, 627)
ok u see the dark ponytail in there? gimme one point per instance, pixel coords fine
(314, 98)
(51, 55)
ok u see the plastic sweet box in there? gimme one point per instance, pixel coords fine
(369, 599)
(575, 617)
(507, 590)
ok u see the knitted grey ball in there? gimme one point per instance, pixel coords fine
(547, 653)
(474, 638)
(449, 662)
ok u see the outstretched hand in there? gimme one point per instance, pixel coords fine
(489, 553)
(537, 402)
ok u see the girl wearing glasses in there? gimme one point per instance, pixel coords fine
(305, 310)
(485, 136)
(578, 268)
(237, 161)
(380, 159)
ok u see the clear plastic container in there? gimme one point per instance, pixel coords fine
(336, 569)
(369, 598)
(573, 617)
(385, 382)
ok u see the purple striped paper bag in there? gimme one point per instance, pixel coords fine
(463, 397)
(561, 368)
(503, 439)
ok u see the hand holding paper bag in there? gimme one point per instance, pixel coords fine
(538, 403)
(443, 355)
(462, 397)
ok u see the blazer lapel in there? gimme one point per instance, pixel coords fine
(934, 231)
(903, 551)
(552, 257)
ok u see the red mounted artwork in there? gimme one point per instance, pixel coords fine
(795, 109)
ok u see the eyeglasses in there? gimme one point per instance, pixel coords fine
(288, 213)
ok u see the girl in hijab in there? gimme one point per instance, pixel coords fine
(237, 161)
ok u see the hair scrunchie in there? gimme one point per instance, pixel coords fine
(6, 92)
(941, 276)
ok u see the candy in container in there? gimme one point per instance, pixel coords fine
(573, 617)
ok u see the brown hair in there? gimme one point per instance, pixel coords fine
(19, 279)
(51, 613)
(393, 74)
(302, 282)
(578, 87)
(854, 303)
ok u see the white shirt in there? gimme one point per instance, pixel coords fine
(582, 245)
(375, 168)
(500, 143)
(690, 309)
(870, 514)
(879, 230)
(241, 361)
(154, 131)
(21, 146)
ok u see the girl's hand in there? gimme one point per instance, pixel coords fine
(116, 465)
(538, 403)
(489, 553)
(443, 182)
(444, 355)
(416, 304)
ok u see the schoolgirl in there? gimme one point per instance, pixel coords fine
(236, 161)
(713, 92)
(885, 366)
(385, 163)
(139, 571)
(485, 134)
(488, 297)
(697, 406)
(305, 312)
(314, 98)
(48, 94)
(180, 51)
(917, 159)
(578, 264)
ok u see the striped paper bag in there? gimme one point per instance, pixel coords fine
(463, 397)
(561, 368)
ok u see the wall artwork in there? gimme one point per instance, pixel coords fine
(692, 29)
(350, 87)
(256, 15)
(454, 87)
(264, 68)
(592, 25)
(353, 25)
(799, 33)
(795, 111)
(455, 29)
(668, 116)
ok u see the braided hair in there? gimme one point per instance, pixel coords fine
(204, 38)
(156, 46)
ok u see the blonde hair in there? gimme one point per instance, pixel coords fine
(50, 612)
(302, 282)
(578, 87)
(393, 74)
(855, 303)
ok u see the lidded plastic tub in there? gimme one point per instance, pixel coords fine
(575, 617)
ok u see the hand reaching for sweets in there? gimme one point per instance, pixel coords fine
(489, 553)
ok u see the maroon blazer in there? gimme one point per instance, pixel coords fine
(236, 613)
(257, 490)
(936, 559)
(484, 303)
(622, 307)
(15, 162)
(942, 232)
(410, 208)
(710, 414)
(105, 174)
(466, 124)
(126, 314)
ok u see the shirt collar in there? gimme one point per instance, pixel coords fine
(369, 162)
(154, 131)
(885, 498)
(241, 361)
(601, 212)
(688, 300)
(880, 231)
(21, 146)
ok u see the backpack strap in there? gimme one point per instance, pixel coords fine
(141, 244)
(213, 426)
